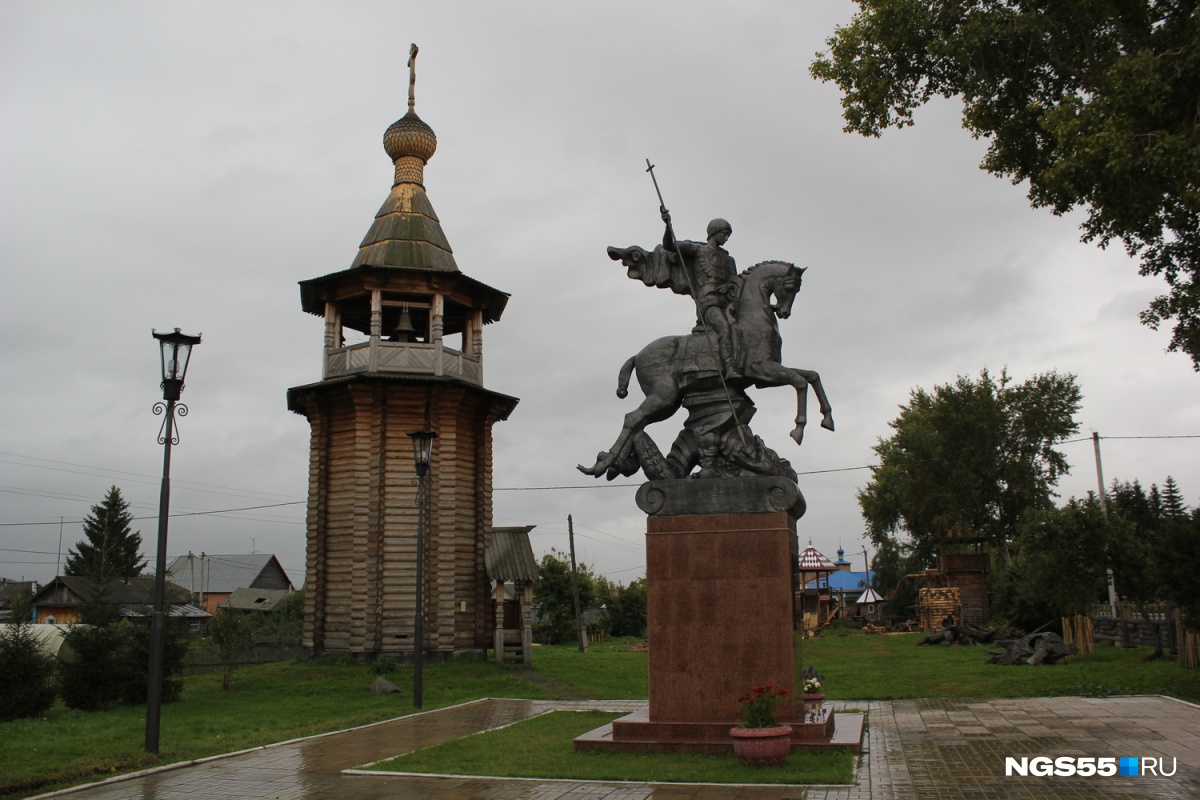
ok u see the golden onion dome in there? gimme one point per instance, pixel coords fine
(410, 136)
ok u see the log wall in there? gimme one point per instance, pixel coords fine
(362, 516)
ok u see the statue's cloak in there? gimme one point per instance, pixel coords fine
(660, 267)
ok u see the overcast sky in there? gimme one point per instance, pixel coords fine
(184, 165)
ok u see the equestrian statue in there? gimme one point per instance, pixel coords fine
(734, 345)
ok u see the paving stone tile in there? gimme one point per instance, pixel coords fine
(932, 748)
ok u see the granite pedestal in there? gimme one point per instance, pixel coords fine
(720, 589)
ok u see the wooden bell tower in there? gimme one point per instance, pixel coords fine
(403, 352)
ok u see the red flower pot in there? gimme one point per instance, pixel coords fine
(762, 747)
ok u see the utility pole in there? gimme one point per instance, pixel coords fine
(583, 643)
(1112, 585)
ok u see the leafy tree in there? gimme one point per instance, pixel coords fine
(1161, 557)
(1093, 103)
(972, 457)
(553, 595)
(1177, 554)
(626, 606)
(892, 563)
(1060, 568)
(111, 549)
(28, 686)
(229, 630)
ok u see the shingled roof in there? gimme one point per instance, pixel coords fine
(224, 573)
(510, 556)
(811, 560)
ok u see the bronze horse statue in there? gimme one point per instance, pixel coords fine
(671, 368)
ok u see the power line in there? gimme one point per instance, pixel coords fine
(176, 483)
(180, 514)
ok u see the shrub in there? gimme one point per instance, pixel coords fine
(27, 689)
(110, 664)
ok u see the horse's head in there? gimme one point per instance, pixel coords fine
(785, 289)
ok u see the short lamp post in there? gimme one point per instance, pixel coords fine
(422, 454)
(176, 353)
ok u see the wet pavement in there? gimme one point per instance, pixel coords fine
(933, 748)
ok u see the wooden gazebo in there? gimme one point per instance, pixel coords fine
(812, 565)
(512, 569)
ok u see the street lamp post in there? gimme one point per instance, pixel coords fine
(176, 350)
(422, 453)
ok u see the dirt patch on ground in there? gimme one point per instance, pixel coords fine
(555, 688)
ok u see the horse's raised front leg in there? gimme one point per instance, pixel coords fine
(771, 373)
(814, 380)
(775, 374)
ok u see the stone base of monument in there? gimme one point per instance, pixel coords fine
(720, 593)
(635, 733)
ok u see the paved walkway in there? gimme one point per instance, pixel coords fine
(953, 749)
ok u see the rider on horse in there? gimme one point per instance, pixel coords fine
(713, 283)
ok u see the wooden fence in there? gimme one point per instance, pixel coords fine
(1079, 631)
(203, 659)
(1153, 625)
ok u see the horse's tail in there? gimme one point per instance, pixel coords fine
(623, 378)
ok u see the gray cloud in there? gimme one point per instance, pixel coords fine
(170, 165)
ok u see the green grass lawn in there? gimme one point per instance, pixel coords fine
(853, 668)
(541, 748)
(266, 703)
(276, 702)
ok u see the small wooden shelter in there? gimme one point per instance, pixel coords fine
(512, 569)
(869, 604)
(813, 602)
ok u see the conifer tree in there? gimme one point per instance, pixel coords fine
(111, 549)
(1173, 507)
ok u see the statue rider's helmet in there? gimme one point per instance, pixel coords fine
(719, 224)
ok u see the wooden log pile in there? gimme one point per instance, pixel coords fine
(936, 603)
(1036, 648)
(965, 633)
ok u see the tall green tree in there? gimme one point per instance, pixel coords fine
(112, 549)
(625, 606)
(1061, 561)
(970, 457)
(1092, 102)
(1160, 557)
(552, 593)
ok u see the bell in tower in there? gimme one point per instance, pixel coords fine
(403, 351)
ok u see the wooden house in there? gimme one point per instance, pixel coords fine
(211, 578)
(61, 600)
(403, 352)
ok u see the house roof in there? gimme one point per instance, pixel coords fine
(186, 610)
(255, 599)
(869, 596)
(510, 556)
(69, 591)
(11, 590)
(850, 581)
(224, 573)
(811, 560)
